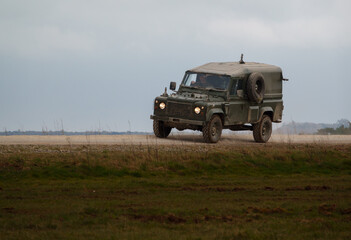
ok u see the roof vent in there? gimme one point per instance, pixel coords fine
(241, 59)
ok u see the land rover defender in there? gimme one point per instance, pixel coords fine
(222, 95)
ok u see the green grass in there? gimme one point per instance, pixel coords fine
(259, 191)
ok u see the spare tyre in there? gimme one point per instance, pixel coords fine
(255, 87)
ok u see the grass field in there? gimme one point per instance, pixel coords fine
(260, 191)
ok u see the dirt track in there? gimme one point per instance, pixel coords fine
(173, 139)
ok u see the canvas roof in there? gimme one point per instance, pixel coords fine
(234, 68)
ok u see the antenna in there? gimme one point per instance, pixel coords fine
(165, 94)
(241, 59)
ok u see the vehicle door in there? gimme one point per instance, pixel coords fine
(237, 103)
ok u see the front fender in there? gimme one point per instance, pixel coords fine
(210, 113)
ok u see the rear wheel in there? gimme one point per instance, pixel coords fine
(160, 130)
(212, 131)
(262, 131)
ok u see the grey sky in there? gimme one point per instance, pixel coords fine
(99, 64)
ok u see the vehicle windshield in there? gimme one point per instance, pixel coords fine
(206, 80)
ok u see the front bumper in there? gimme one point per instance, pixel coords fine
(177, 120)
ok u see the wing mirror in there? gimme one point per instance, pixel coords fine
(172, 86)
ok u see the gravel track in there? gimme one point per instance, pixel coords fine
(173, 139)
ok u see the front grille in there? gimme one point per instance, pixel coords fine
(180, 110)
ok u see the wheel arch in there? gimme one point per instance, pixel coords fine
(266, 111)
(215, 111)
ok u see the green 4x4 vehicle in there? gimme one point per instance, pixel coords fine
(222, 95)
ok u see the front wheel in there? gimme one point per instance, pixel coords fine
(212, 131)
(262, 131)
(160, 129)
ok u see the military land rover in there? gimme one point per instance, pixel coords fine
(222, 95)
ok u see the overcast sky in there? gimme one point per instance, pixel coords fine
(99, 64)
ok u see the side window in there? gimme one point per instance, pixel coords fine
(234, 87)
(237, 85)
(240, 84)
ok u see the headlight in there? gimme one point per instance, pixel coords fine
(162, 105)
(197, 110)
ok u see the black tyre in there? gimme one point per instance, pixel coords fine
(160, 129)
(255, 87)
(262, 131)
(212, 131)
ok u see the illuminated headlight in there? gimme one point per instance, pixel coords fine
(162, 105)
(197, 110)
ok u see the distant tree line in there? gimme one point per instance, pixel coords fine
(66, 133)
(342, 130)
